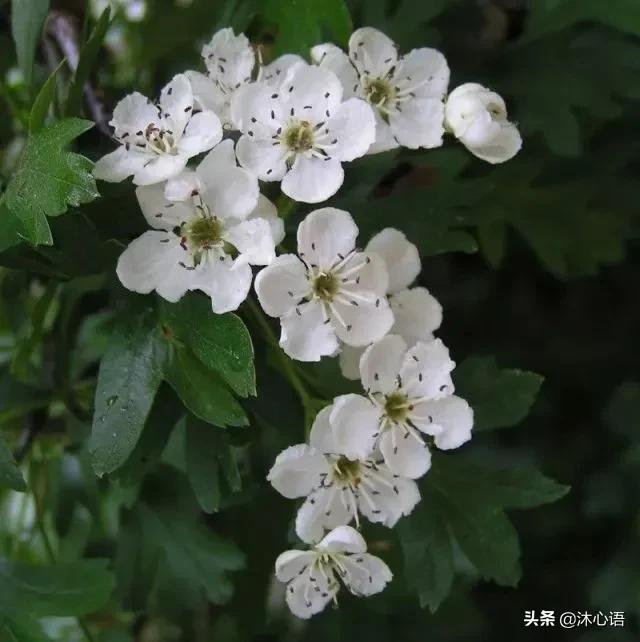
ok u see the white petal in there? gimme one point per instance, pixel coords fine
(256, 107)
(352, 125)
(302, 598)
(419, 124)
(262, 157)
(152, 262)
(350, 362)
(305, 336)
(253, 240)
(281, 285)
(203, 131)
(381, 363)
(455, 418)
(226, 283)
(322, 510)
(230, 191)
(366, 574)
(390, 496)
(468, 102)
(326, 235)
(373, 53)
(362, 324)
(372, 275)
(160, 168)
(182, 187)
(297, 471)
(119, 164)
(403, 454)
(132, 114)
(424, 72)
(417, 314)
(207, 95)
(426, 371)
(312, 180)
(400, 256)
(266, 210)
(160, 212)
(384, 136)
(291, 563)
(502, 148)
(274, 73)
(333, 58)
(321, 436)
(355, 423)
(343, 539)
(312, 92)
(229, 58)
(176, 100)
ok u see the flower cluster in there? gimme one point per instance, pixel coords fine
(298, 123)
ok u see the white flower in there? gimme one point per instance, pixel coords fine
(301, 132)
(134, 10)
(313, 576)
(337, 488)
(406, 91)
(417, 313)
(410, 393)
(230, 61)
(477, 117)
(157, 141)
(209, 225)
(329, 292)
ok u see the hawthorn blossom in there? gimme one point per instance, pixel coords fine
(209, 225)
(329, 292)
(416, 312)
(339, 489)
(477, 117)
(313, 576)
(409, 394)
(157, 141)
(230, 62)
(301, 132)
(406, 92)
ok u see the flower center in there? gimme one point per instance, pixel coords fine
(397, 407)
(204, 232)
(380, 92)
(325, 286)
(161, 141)
(346, 471)
(299, 137)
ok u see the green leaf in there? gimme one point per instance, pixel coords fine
(303, 23)
(130, 375)
(18, 399)
(468, 502)
(499, 398)
(427, 551)
(88, 58)
(72, 589)
(48, 180)
(202, 392)
(192, 552)
(43, 100)
(208, 456)
(221, 341)
(27, 18)
(10, 475)
(23, 629)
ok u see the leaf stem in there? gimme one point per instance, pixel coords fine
(287, 365)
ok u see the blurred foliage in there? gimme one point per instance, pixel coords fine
(535, 263)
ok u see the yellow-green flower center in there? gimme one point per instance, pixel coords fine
(204, 233)
(380, 92)
(299, 137)
(325, 286)
(347, 471)
(397, 407)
